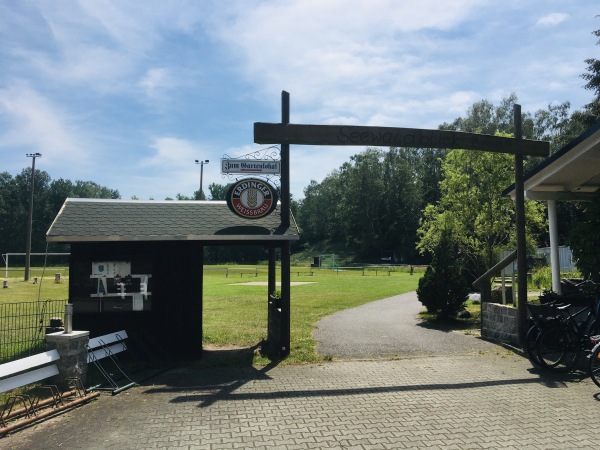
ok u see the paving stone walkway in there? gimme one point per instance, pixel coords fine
(468, 394)
(491, 400)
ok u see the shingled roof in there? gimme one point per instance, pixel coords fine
(97, 220)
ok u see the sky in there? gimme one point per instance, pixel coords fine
(128, 94)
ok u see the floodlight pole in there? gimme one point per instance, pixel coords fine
(30, 221)
(201, 175)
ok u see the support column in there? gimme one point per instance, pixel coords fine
(285, 299)
(272, 272)
(273, 343)
(73, 355)
(554, 253)
(521, 235)
(285, 223)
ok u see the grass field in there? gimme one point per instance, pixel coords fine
(20, 291)
(235, 314)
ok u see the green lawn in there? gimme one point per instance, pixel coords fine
(236, 314)
(19, 290)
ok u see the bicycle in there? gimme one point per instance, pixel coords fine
(594, 360)
(560, 345)
(541, 317)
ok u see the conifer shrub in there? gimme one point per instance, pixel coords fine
(443, 289)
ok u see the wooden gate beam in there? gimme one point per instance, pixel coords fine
(280, 133)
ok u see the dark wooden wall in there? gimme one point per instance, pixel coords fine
(175, 317)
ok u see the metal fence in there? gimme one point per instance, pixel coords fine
(23, 327)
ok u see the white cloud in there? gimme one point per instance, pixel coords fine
(155, 81)
(362, 61)
(552, 19)
(34, 124)
(172, 152)
(143, 90)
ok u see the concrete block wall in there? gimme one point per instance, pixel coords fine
(499, 323)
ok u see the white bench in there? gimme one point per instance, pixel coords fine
(27, 371)
(107, 346)
(104, 346)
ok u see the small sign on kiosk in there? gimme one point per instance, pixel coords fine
(251, 166)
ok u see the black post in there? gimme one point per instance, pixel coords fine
(285, 222)
(272, 273)
(285, 163)
(273, 344)
(521, 238)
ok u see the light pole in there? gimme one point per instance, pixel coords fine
(30, 222)
(200, 195)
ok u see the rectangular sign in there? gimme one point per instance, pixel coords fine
(277, 133)
(111, 268)
(253, 166)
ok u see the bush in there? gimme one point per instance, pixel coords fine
(584, 239)
(443, 289)
(541, 277)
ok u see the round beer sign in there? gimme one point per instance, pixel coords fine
(252, 198)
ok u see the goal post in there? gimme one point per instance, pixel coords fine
(6, 258)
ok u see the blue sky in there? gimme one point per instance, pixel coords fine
(129, 93)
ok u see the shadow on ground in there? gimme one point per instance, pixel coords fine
(450, 325)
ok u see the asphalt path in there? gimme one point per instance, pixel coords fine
(391, 328)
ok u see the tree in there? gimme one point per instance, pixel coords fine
(473, 210)
(361, 202)
(584, 236)
(218, 191)
(402, 196)
(373, 202)
(318, 211)
(48, 199)
(584, 241)
(592, 77)
(443, 289)
(485, 118)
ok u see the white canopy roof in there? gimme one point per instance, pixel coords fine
(573, 173)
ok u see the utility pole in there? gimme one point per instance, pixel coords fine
(30, 222)
(200, 195)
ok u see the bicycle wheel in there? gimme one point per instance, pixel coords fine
(594, 365)
(558, 348)
(530, 346)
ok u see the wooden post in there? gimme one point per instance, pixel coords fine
(272, 273)
(285, 163)
(521, 238)
(285, 222)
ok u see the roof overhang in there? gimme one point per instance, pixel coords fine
(571, 174)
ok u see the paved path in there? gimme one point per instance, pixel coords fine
(450, 402)
(465, 400)
(389, 328)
